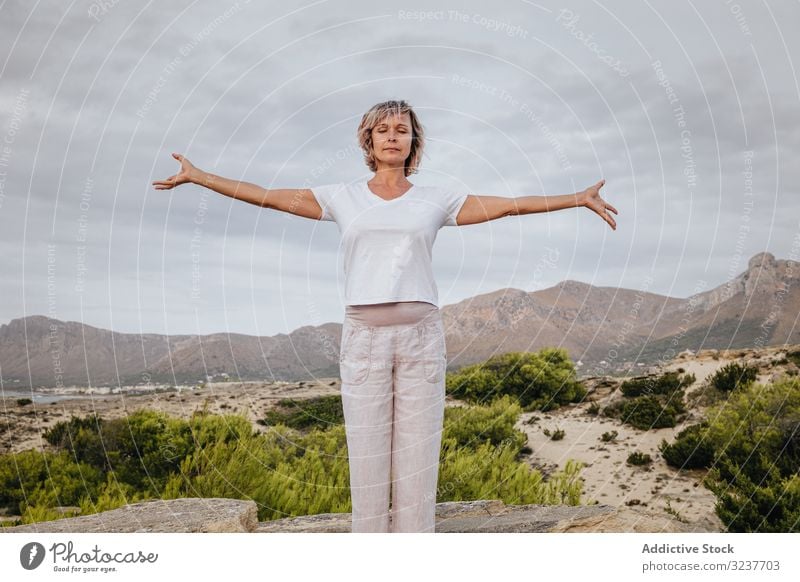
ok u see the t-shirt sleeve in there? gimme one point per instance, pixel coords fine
(326, 198)
(453, 200)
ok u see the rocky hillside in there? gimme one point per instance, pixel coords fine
(601, 327)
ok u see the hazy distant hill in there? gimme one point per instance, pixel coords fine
(757, 308)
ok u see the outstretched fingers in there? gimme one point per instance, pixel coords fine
(600, 206)
(607, 217)
(172, 181)
(165, 184)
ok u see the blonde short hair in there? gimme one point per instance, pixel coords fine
(376, 114)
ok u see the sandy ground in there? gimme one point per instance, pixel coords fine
(608, 478)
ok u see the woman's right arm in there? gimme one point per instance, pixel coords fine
(300, 202)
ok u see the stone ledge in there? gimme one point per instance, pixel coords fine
(484, 516)
(163, 516)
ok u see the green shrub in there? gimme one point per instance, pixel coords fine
(648, 412)
(609, 436)
(690, 450)
(492, 472)
(286, 472)
(320, 412)
(756, 436)
(542, 380)
(62, 434)
(35, 478)
(636, 458)
(652, 401)
(24, 401)
(666, 384)
(473, 426)
(290, 474)
(733, 375)
(142, 449)
(744, 506)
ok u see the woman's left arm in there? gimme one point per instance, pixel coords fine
(477, 209)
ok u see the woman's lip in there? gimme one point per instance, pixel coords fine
(393, 149)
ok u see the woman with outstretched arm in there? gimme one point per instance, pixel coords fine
(393, 355)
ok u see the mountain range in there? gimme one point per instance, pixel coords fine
(605, 330)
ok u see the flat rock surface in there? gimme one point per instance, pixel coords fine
(235, 515)
(163, 516)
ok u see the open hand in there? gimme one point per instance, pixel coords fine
(591, 199)
(184, 175)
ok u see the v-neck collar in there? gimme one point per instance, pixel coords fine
(403, 195)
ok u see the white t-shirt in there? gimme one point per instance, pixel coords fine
(387, 243)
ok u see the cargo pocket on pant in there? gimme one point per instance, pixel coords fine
(435, 361)
(355, 355)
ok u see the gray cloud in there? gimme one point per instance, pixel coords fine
(516, 99)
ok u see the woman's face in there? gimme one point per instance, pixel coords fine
(391, 140)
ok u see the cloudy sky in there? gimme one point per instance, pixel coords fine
(689, 110)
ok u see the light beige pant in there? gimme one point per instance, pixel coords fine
(392, 365)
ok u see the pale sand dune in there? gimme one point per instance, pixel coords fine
(608, 478)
